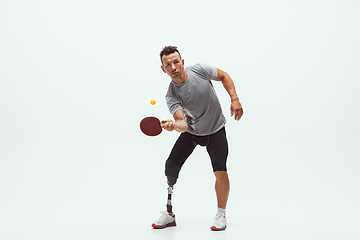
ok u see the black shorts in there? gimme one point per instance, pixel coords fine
(216, 145)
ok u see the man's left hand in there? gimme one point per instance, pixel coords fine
(236, 109)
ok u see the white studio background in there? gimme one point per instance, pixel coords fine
(76, 78)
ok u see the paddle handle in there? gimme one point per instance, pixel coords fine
(162, 124)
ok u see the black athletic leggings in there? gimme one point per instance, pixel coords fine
(216, 145)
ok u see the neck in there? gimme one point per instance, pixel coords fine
(181, 79)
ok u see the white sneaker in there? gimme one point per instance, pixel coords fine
(165, 220)
(220, 222)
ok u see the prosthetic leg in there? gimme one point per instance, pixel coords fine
(167, 219)
(168, 205)
(171, 183)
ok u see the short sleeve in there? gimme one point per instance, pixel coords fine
(210, 71)
(173, 103)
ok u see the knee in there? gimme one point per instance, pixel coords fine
(171, 180)
(172, 169)
(221, 176)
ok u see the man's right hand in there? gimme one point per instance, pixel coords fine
(179, 124)
(168, 125)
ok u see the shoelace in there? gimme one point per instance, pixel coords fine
(219, 218)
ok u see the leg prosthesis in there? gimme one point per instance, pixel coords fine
(171, 183)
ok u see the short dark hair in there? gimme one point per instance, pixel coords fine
(168, 50)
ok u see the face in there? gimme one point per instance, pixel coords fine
(173, 66)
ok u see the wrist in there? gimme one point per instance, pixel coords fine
(233, 99)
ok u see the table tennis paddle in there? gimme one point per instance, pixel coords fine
(151, 126)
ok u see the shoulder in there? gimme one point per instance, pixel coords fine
(204, 70)
(196, 67)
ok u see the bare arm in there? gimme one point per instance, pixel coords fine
(228, 84)
(178, 125)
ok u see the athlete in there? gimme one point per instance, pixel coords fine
(198, 116)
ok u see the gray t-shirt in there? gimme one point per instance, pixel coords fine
(197, 98)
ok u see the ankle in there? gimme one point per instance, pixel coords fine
(222, 211)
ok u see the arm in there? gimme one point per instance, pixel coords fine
(228, 84)
(179, 125)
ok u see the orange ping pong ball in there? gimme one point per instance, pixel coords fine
(152, 102)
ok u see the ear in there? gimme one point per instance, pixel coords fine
(162, 67)
(182, 60)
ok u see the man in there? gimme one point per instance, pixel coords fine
(197, 114)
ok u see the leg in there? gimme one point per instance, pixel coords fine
(222, 188)
(218, 150)
(182, 149)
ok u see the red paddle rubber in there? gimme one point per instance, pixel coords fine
(151, 126)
